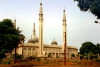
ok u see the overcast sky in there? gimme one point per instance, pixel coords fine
(80, 25)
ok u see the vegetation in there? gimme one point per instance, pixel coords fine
(49, 55)
(72, 55)
(31, 58)
(89, 50)
(10, 37)
(90, 5)
(19, 57)
(39, 59)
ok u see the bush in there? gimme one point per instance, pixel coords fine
(49, 55)
(6, 61)
(72, 55)
(31, 58)
(81, 57)
(98, 60)
(0, 61)
(19, 56)
(38, 59)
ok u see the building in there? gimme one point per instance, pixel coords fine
(36, 47)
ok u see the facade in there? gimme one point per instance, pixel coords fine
(36, 47)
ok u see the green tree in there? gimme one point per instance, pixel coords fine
(86, 49)
(10, 37)
(97, 50)
(90, 5)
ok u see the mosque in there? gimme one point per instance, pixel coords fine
(36, 47)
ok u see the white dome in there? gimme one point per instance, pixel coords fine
(54, 42)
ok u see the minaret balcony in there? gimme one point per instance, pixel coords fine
(40, 19)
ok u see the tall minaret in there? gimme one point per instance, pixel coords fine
(41, 30)
(34, 32)
(64, 35)
(64, 26)
(14, 23)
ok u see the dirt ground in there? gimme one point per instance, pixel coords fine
(49, 66)
(84, 63)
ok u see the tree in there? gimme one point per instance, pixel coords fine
(90, 5)
(86, 49)
(10, 37)
(97, 51)
(98, 48)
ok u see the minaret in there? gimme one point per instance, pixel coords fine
(64, 26)
(64, 35)
(34, 32)
(41, 30)
(14, 23)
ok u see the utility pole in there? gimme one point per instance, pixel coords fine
(65, 50)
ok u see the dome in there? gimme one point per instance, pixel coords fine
(31, 41)
(54, 42)
(36, 39)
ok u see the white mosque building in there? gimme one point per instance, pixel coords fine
(36, 47)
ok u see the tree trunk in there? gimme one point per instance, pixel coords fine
(88, 56)
(98, 56)
(15, 56)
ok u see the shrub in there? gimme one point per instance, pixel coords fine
(31, 58)
(19, 56)
(38, 59)
(49, 55)
(72, 55)
(81, 57)
(98, 60)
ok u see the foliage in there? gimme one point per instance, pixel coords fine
(72, 55)
(19, 56)
(90, 5)
(88, 48)
(97, 48)
(98, 60)
(31, 58)
(49, 55)
(10, 37)
(38, 59)
(81, 57)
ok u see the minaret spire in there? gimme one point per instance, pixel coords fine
(14, 23)
(64, 35)
(41, 13)
(34, 31)
(64, 17)
(41, 31)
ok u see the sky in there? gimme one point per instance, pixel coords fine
(80, 25)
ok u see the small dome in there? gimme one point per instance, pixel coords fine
(31, 41)
(36, 39)
(54, 42)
